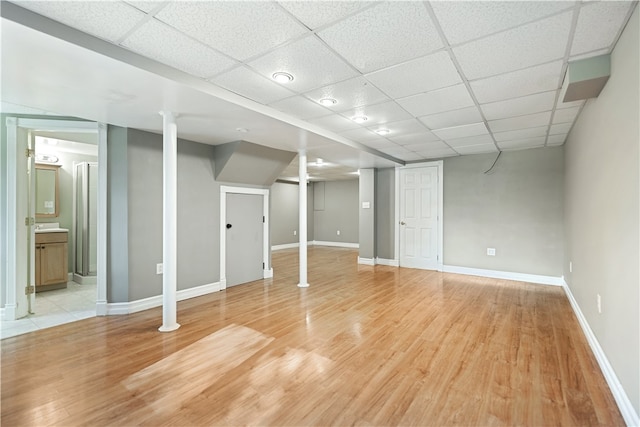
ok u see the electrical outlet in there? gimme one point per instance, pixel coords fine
(599, 300)
(338, 232)
(159, 268)
(570, 267)
(491, 251)
(295, 232)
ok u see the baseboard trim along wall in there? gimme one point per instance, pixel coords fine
(627, 410)
(119, 308)
(379, 261)
(316, 243)
(366, 261)
(495, 274)
(2, 314)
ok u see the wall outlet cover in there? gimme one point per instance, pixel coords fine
(491, 251)
(159, 268)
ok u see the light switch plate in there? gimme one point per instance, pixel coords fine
(491, 251)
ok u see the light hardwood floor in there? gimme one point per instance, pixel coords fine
(361, 346)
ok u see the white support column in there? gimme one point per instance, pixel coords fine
(302, 210)
(169, 222)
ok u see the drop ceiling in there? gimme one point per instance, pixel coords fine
(442, 78)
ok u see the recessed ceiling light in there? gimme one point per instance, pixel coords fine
(360, 119)
(383, 131)
(282, 77)
(328, 102)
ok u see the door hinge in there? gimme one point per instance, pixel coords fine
(263, 219)
(29, 152)
(30, 290)
(29, 221)
(263, 265)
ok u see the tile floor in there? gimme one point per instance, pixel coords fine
(54, 308)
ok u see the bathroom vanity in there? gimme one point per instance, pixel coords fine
(51, 258)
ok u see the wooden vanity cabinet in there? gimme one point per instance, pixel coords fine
(51, 260)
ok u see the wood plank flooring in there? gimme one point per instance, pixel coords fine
(361, 346)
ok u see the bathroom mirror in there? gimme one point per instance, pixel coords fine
(47, 191)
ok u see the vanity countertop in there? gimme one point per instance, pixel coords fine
(50, 227)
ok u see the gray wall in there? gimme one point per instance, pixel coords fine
(367, 217)
(284, 213)
(385, 213)
(339, 211)
(516, 209)
(602, 213)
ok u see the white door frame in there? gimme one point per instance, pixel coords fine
(224, 189)
(13, 157)
(440, 165)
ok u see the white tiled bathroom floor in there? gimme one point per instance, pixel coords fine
(54, 308)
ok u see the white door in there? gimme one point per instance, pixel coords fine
(25, 243)
(419, 218)
(244, 240)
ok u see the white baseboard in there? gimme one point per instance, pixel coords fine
(495, 274)
(627, 410)
(84, 280)
(119, 308)
(336, 244)
(366, 261)
(389, 262)
(289, 246)
(2, 314)
(267, 274)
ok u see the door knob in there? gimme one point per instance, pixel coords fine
(402, 222)
(228, 226)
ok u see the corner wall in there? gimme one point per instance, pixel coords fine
(602, 214)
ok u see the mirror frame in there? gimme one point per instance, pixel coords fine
(54, 168)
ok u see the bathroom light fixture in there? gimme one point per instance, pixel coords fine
(282, 77)
(360, 119)
(383, 132)
(328, 102)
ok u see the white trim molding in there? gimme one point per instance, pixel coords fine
(366, 261)
(389, 262)
(495, 274)
(629, 414)
(120, 308)
(336, 244)
(267, 274)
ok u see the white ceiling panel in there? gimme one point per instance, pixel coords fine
(404, 127)
(437, 153)
(416, 76)
(598, 25)
(147, 6)
(349, 94)
(299, 106)
(518, 83)
(470, 140)
(426, 145)
(315, 14)
(520, 122)
(395, 150)
(521, 47)
(361, 135)
(565, 115)
(521, 144)
(415, 138)
(412, 157)
(489, 17)
(589, 54)
(384, 35)
(519, 106)
(158, 41)
(437, 101)
(241, 30)
(379, 143)
(334, 122)
(452, 118)
(521, 134)
(571, 104)
(477, 149)
(105, 19)
(556, 139)
(309, 61)
(245, 82)
(560, 129)
(379, 113)
(461, 131)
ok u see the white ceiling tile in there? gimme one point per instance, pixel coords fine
(426, 145)
(559, 129)
(461, 131)
(520, 122)
(379, 113)
(362, 135)
(477, 149)
(489, 17)
(308, 60)
(565, 115)
(416, 76)
(590, 54)
(521, 144)
(105, 19)
(299, 106)
(411, 157)
(315, 14)
(598, 25)
(378, 143)
(521, 134)
(415, 138)
(452, 118)
(395, 150)
(518, 83)
(164, 44)
(239, 29)
(437, 153)
(334, 122)
(556, 139)
(437, 101)
(571, 104)
(519, 106)
(384, 35)
(521, 47)
(146, 5)
(470, 140)
(404, 127)
(349, 94)
(252, 85)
